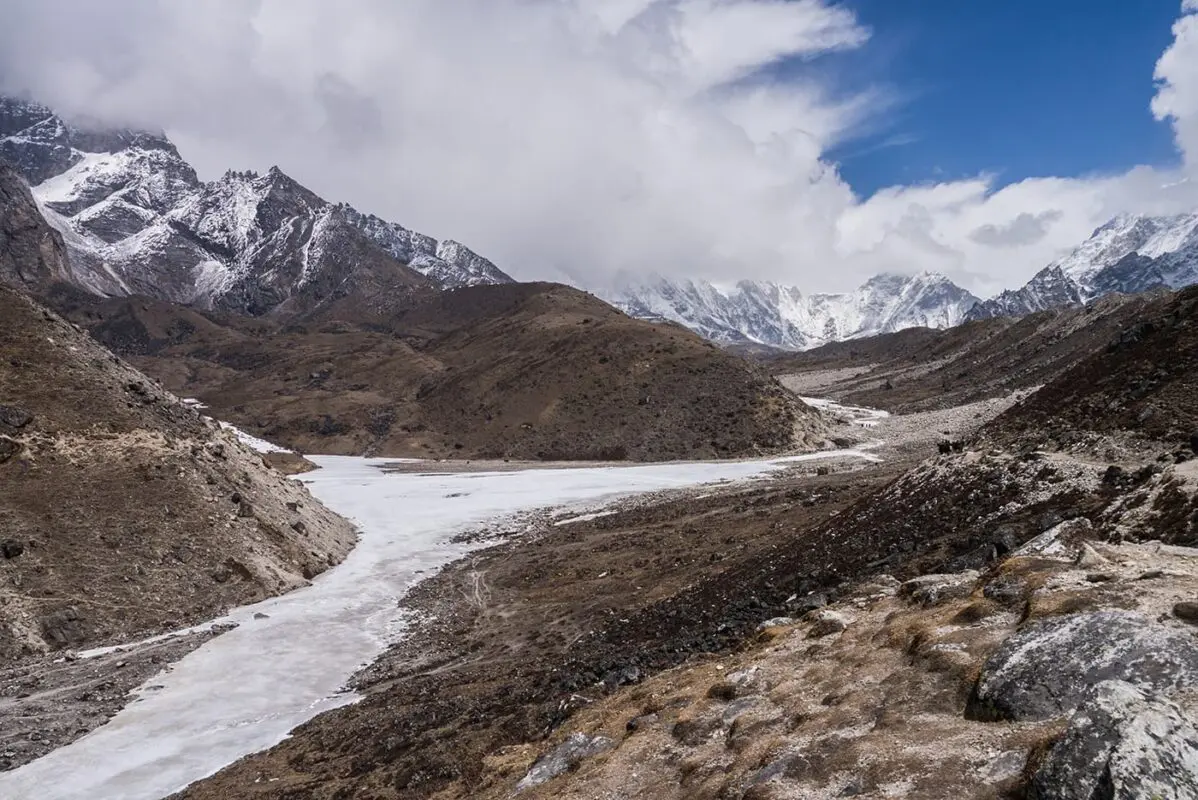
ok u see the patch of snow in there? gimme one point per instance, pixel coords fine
(253, 442)
(583, 518)
(66, 187)
(212, 278)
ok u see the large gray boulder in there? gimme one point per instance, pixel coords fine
(563, 758)
(1122, 744)
(1048, 668)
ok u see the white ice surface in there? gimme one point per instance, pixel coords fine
(858, 415)
(243, 691)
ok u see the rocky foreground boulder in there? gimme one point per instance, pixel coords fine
(1048, 668)
(1122, 744)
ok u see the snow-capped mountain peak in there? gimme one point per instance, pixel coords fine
(1131, 253)
(136, 219)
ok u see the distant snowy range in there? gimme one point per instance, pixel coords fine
(755, 312)
(1130, 254)
(137, 220)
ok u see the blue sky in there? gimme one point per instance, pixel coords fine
(1017, 88)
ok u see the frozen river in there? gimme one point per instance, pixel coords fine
(243, 691)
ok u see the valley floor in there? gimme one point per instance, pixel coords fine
(289, 658)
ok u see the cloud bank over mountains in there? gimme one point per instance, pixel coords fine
(576, 138)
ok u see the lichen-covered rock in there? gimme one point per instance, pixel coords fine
(1122, 744)
(564, 757)
(1007, 590)
(931, 590)
(826, 622)
(1047, 669)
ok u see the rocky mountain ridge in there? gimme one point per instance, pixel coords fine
(524, 371)
(136, 219)
(1128, 255)
(757, 312)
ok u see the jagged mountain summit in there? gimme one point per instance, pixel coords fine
(1129, 254)
(136, 219)
(756, 312)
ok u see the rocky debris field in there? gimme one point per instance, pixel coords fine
(49, 701)
(848, 634)
(862, 633)
(906, 435)
(949, 685)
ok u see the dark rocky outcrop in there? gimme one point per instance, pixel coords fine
(14, 418)
(32, 254)
(64, 628)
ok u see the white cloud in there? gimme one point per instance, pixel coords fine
(566, 137)
(1177, 76)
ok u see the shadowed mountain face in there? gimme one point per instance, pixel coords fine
(1142, 384)
(32, 255)
(137, 220)
(82, 433)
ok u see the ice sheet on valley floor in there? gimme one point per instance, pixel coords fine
(243, 691)
(856, 415)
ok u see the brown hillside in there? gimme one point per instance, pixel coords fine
(526, 371)
(1143, 384)
(123, 512)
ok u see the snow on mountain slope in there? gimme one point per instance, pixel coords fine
(1129, 254)
(447, 262)
(136, 219)
(782, 316)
